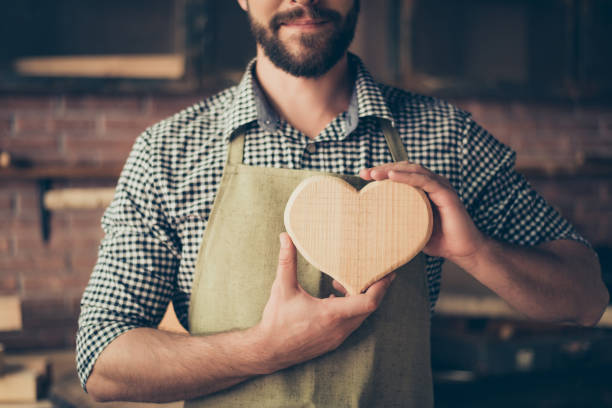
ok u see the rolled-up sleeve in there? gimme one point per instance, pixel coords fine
(501, 201)
(135, 275)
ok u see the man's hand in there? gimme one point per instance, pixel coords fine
(553, 281)
(297, 327)
(454, 236)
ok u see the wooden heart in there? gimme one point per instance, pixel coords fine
(357, 237)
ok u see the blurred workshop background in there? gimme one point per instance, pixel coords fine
(80, 79)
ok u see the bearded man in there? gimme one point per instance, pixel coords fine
(266, 328)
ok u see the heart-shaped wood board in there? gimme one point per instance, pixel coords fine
(357, 237)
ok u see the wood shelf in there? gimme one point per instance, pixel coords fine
(61, 172)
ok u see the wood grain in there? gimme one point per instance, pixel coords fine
(358, 237)
(78, 198)
(10, 313)
(162, 66)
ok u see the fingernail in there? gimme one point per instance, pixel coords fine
(393, 276)
(284, 242)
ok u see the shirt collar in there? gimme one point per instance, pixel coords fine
(370, 100)
(250, 103)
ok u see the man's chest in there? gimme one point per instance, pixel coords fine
(192, 194)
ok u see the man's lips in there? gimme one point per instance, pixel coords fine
(303, 22)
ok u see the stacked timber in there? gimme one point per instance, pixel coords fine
(19, 383)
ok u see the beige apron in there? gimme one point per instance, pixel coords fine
(384, 363)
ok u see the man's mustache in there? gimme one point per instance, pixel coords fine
(314, 13)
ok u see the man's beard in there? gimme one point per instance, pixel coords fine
(322, 50)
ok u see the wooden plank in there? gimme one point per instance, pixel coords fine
(10, 313)
(155, 66)
(37, 404)
(19, 384)
(491, 307)
(57, 172)
(358, 237)
(78, 198)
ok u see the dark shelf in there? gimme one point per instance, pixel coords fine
(61, 172)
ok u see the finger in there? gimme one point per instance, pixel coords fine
(365, 174)
(428, 183)
(286, 273)
(338, 286)
(403, 165)
(364, 303)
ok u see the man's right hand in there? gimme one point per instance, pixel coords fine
(296, 327)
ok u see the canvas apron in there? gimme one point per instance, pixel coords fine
(384, 363)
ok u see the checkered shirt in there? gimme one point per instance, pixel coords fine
(164, 196)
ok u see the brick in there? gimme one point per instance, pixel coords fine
(595, 144)
(7, 125)
(85, 218)
(45, 306)
(25, 227)
(9, 284)
(18, 225)
(35, 147)
(127, 127)
(27, 199)
(75, 124)
(8, 201)
(100, 104)
(55, 283)
(83, 261)
(548, 110)
(164, 106)
(24, 240)
(33, 122)
(490, 114)
(89, 149)
(42, 262)
(13, 103)
(75, 240)
(47, 338)
(6, 246)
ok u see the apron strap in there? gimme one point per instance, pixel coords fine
(236, 148)
(394, 141)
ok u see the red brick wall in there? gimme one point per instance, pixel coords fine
(60, 130)
(92, 129)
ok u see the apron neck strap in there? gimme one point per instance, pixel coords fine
(393, 139)
(236, 147)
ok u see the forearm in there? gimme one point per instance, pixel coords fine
(151, 365)
(558, 281)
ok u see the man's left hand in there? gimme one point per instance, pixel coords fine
(454, 236)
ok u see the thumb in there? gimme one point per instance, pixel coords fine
(286, 274)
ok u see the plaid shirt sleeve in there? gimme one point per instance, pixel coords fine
(135, 275)
(501, 202)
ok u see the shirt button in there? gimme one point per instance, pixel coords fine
(311, 147)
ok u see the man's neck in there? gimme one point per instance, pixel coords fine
(308, 104)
